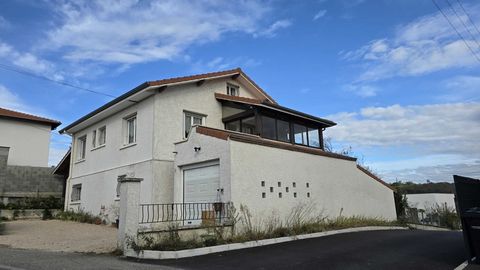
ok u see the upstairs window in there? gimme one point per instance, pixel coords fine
(300, 134)
(94, 138)
(102, 135)
(313, 137)
(130, 129)
(191, 119)
(233, 90)
(81, 147)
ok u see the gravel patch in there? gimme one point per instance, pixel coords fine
(56, 235)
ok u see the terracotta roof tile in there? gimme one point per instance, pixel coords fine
(28, 117)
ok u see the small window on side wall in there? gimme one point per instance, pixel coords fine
(102, 135)
(190, 120)
(233, 90)
(76, 193)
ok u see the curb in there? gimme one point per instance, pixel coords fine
(164, 255)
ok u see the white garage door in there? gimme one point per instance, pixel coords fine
(201, 184)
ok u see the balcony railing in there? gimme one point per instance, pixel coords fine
(215, 213)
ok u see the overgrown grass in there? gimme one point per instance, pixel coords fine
(299, 221)
(34, 203)
(79, 216)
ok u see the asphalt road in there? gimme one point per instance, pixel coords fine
(364, 250)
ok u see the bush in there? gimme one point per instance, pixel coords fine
(79, 216)
(35, 203)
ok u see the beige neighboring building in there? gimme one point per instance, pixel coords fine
(215, 137)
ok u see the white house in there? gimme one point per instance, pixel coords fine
(215, 137)
(27, 137)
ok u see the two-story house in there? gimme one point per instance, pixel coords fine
(215, 137)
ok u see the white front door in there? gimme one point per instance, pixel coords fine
(201, 189)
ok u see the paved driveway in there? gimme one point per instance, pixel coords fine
(364, 250)
(57, 235)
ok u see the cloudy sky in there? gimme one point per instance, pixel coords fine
(401, 83)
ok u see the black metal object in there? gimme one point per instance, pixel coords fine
(467, 195)
(215, 213)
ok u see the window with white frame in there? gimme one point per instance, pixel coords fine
(233, 90)
(81, 147)
(190, 120)
(102, 135)
(94, 138)
(130, 129)
(76, 192)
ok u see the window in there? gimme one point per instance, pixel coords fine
(300, 134)
(130, 129)
(279, 184)
(102, 135)
(271, 189)
(76, 192)
(233, 90)
(294, 184)
(308, 194)
(294, 194)
(234, 126)
(313, 137)
(81, 147)
(287, 189)
(308, 185)
(192, 119)
(262, 183)
(268, 128)
(279, 195)
(264, 195)
(94, 138)
(248, 125)
(283, 130)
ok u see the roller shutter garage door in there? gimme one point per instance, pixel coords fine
(201, 184)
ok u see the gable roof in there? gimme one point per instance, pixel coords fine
(161, 84)
(6, 113)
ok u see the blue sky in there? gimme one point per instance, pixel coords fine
(402, 85)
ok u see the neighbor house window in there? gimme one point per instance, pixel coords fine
(81, 147)
(233, 90)
(102, 135)
(191, 119)
(94, 138)
(131, 129)
(233, 126)
(283, 131)
(76, 192)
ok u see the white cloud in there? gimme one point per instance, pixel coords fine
(319, 14)
(272, 30)
(129, 32)
(425, 45)
(221, 63)
(362, 90)
(429, 129)
(461, 88)
(10, 101)
(419, 139)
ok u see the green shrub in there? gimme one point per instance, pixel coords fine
(35, 203)
(79, 216)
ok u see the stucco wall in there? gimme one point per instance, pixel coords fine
(336, 186)
(29, 142)
(429, 200)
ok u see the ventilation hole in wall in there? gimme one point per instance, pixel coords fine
(286, 189)
(264, 195)
(308, 185)
(308, 194)
(262, 183)
(294, 184)
(271, 189)
(279, 184)
(279, 195)
(294, 194)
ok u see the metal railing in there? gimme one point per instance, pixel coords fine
(214, 213)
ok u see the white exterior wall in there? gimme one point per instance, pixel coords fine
(429, 200)
(99, 170)
(28, 141)
(336, 186)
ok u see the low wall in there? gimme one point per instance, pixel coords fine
(24, 214)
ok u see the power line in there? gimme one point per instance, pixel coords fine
(27, 73)
(468, 16)
(458, 33)
(464, 25)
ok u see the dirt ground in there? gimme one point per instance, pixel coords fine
(56, 235)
